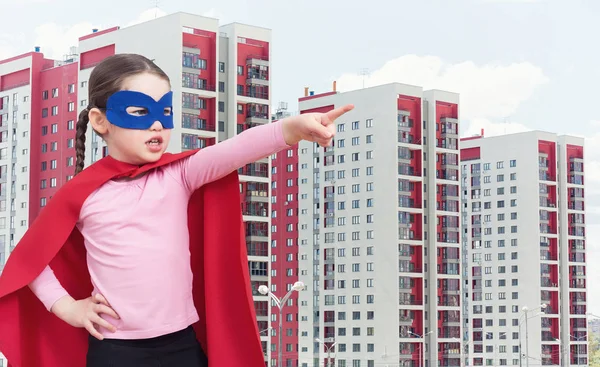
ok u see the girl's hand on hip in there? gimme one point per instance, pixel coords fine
(85, 313)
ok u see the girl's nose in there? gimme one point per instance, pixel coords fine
(156, 126)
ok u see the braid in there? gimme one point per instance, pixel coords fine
(81, 129)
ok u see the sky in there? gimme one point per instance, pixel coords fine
(517, 64)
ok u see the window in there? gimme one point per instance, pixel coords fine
(70, 125)
(71, 88)
(221, 67)
(54, 128)
(45, 94)
(71, 106)
(369, 123)
(513, 163)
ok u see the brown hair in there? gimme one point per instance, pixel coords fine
(106, 79)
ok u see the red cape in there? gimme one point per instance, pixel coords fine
(30, 336)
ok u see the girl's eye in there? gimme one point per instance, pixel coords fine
(137, 111)
(167, 111)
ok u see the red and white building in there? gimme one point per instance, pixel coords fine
(524, 240)
(374, 266)
(221, 81)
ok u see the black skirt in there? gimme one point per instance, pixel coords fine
(179, 349)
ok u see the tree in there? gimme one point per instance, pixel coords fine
(594, 351)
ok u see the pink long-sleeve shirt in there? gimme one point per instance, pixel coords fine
(137, 239)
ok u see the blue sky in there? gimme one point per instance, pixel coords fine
(518, 64)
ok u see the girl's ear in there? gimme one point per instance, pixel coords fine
(98, 121)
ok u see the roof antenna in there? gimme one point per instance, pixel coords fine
(365, 73)
(156, 2)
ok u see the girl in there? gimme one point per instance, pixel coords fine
(135, 230)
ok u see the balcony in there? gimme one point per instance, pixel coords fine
(447, 174)
(409, 267)
(189, 121)
(447, 143)
(193, 81)
(575, 165)
(257, 248)
(260, 92)
(449, 127)
(256, 209)
(254, 117)
(257, 60)
(244, 126)
(258, 77)
(408, 300)
(257, 195)
(547, 256)
(255, 170)
(407, 170)
(407, 138)
(257, 229)
(191, 142)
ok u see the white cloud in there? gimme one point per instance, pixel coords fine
(212, 13)
(491, 91)
(8, 44)
(492, 128)
(55, 40)
(147, 15)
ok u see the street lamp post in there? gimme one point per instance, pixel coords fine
(280, 303)
(327, 350)
(526, 311)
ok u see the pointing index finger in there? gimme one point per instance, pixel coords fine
(337, 112)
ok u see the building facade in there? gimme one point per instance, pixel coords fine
(378, 231)
(220, 76)
(523, 221)
(284, 247)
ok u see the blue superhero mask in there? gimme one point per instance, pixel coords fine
(162, 110)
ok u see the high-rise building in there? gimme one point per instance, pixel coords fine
(284, 247)
(220, 77)
(523, 218)
(378, 231)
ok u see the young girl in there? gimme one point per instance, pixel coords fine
(135, 229)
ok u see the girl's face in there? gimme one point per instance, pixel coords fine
(132, 145)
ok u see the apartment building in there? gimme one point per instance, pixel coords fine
(220, 79)
(523, 220)
(284, 247)
(378, 231)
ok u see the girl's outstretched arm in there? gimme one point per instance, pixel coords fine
(214, 162)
